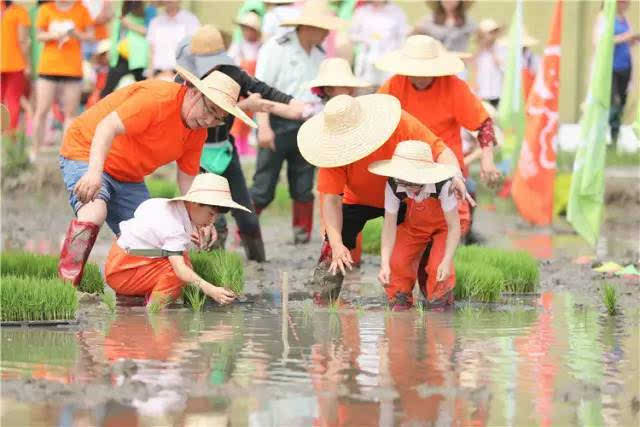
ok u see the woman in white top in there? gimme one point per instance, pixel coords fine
(489, 62)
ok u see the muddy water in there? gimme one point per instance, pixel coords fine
(548, 360)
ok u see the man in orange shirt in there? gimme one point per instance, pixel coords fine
(109, 149)
(14, 51)
(343, 140)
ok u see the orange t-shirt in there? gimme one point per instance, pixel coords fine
(66, 59)
(154, 132)
(443, 107)
(13, 17)
(100, 32)
(361, 187)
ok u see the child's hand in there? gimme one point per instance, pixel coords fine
(384, 274)
(204, 237)
(219, 295)
(444, 271)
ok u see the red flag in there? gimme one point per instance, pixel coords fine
(532, 188)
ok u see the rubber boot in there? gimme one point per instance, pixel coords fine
(326, 286)
(76, 248)
(356, 253)
(302, 221)
(253, 247)
(401, 302)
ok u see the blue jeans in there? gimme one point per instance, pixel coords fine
(122, 198)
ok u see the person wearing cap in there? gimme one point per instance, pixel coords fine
(277, 136)
(150, 257)
(343, 140)
(488, 62)
(97, 71)
(200, 54)
(431, 218)
(109, 149)
(278, 11)
(425, 82)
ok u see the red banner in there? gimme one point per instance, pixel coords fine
(532, 188)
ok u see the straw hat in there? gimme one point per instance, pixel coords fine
(421, 56)
(251, 20)
(221, 89)
(210, 189)
(487, 25)
(349, 129)
(316, 13)
(527, 40)
(336, 72)
(103, 46)
(202, 51)
(413, 162)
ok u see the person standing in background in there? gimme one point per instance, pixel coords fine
(449, 24)
(377, 27)
(623, 38)
(62, 26)
(165, 32)
(101, 15)
(488, 62)
(278, 12)
(15, 60)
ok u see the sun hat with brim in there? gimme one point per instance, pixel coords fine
(421, 56)
(220, 89)
(336, 72)
(250, 20)
(210, 189)
(202, 51)
(103, 46)
(412, 161)
(316, 13)
(348, 129)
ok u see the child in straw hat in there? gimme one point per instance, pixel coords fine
(431, 218)
(151, 258)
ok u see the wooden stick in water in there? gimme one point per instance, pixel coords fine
(285, 314)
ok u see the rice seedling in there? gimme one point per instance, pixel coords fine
(194, 297)
(371, 236)
(161, 187)
(19, 263)
(37, 346)
(333, 307)
(109, 299)
(34, 298)
(157, 303)
(610, 299)
(220, 268)
(478, 282)
(420, 308)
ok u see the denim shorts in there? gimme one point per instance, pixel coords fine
(122, 198)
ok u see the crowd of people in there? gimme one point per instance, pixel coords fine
(384, 115)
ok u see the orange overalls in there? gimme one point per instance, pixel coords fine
(424, 223)
(142, 276)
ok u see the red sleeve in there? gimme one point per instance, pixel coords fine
(332, 180)
(189, 163)
(467, 107)
(139, 111)
(42, 18)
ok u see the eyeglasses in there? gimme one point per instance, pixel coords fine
(210, 110)
(408, 184)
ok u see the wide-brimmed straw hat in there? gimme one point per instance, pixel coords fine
(336, 72)
(316, 13)
(251, 20)
(487, 25)
(412, 161)
(348, 129)
(202, 51)
(103, 46)
(421, 56)
(221, 89)
(210, 189)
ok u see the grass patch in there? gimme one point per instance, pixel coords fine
(193, 297)
(610, 299)
(220, 268)
(281, 204)
(371, 235)
(14, 155)
(33, 298)
(18, 263)
(157, 303)
(109, 299)
(520, 272)
(565, 159)
(160, 187)
(476, 282)
(38, 346)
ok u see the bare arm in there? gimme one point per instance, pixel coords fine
(447, 157)
(46, 36)
(187, 275)
(184, 181)
(388, 241)
(453, 235)
(341, 256)
(266, 136)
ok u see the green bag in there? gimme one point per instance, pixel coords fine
(216, 157)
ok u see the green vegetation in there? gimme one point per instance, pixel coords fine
(157, 303)
(565, 159)
(37, 346)
(477, 282)
(371, 236)
(14, 155)
(420, 308)
(333, 307)
(33, 298)
(161, 187)
(17, 263)
(281, 204)
(561, 186)
(193, 297)
(109, 299)
(610, 299)
(220, 268)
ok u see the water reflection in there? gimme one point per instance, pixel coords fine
(550, 362)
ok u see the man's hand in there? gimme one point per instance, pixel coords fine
(88, 186)
(341, 259)
(488, 171)
(444, 271)
(219, 294)
(384, 274)
(266, 138)
(254, 103)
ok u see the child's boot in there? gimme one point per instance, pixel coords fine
(78, 242)
(302, 221)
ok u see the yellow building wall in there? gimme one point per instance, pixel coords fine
(577, 49)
